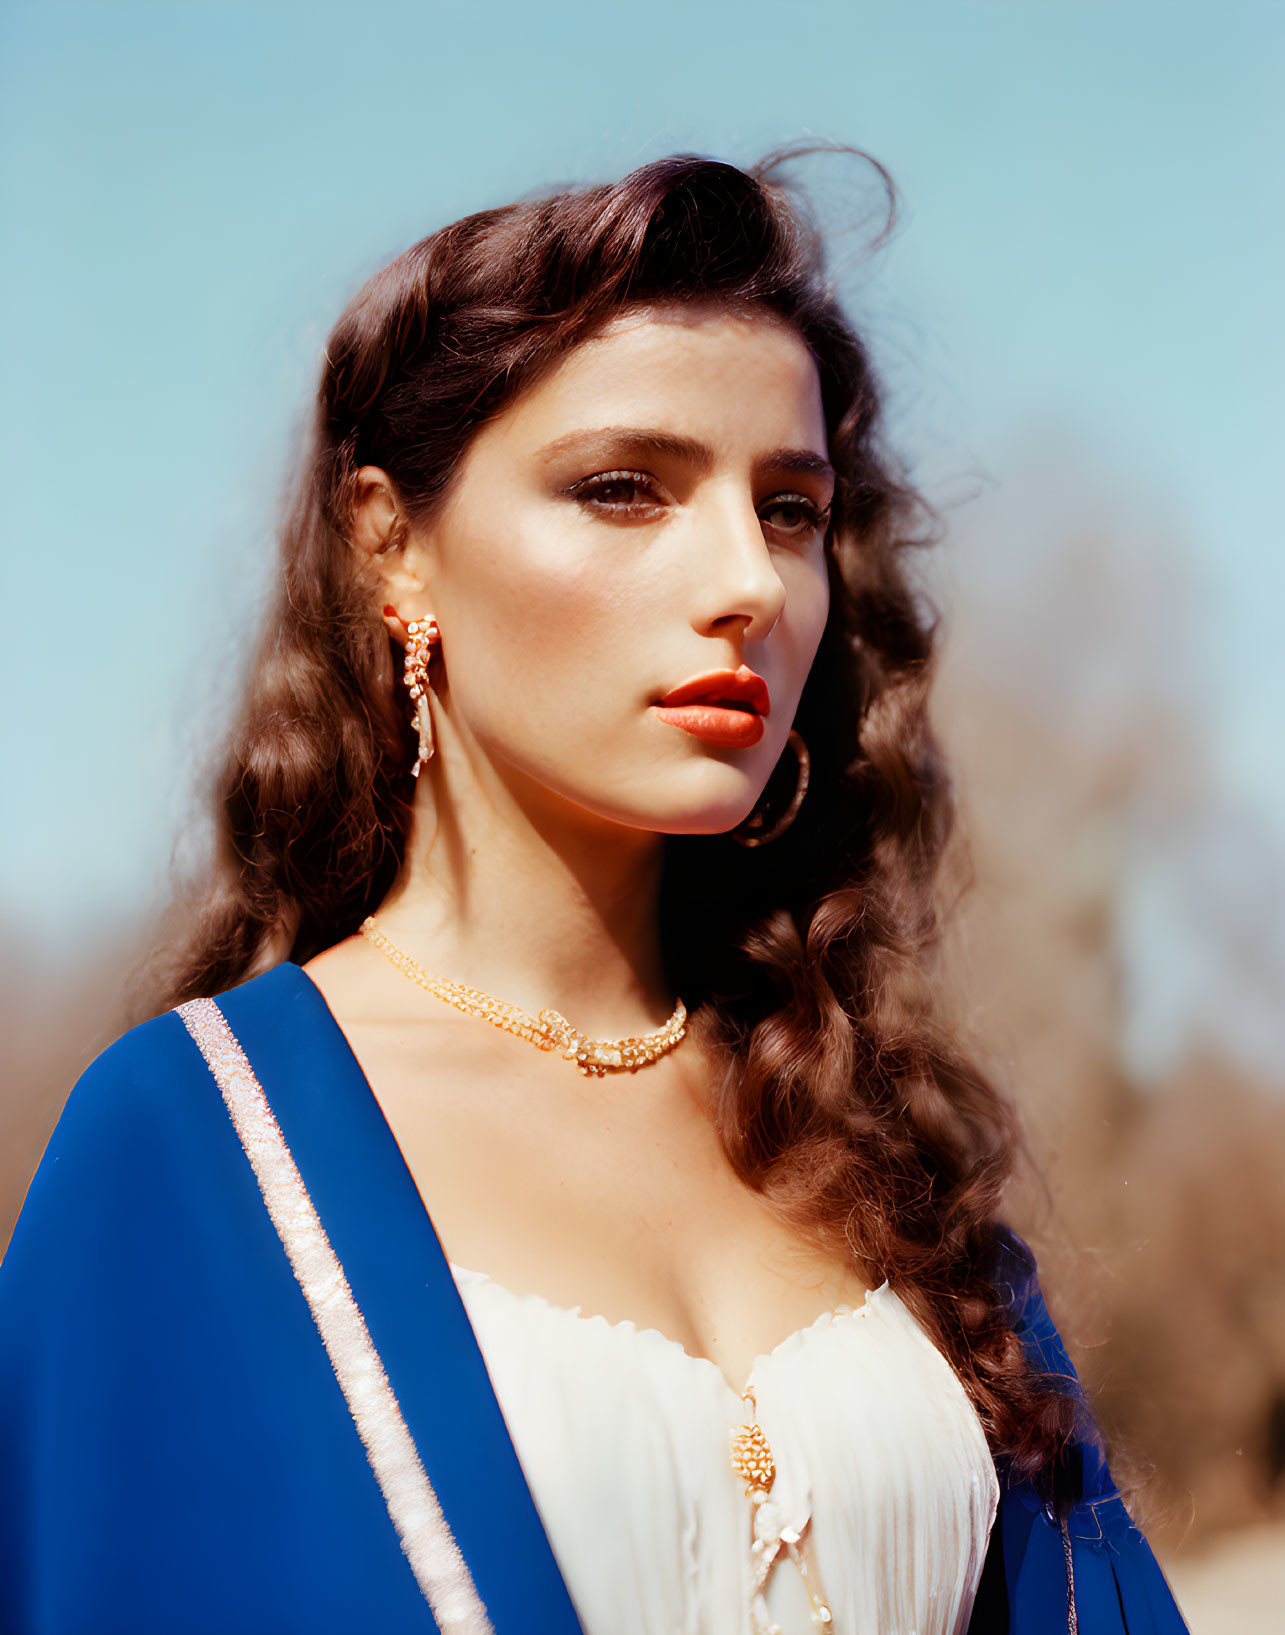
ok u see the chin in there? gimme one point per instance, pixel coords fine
(709, 819)
(713, 802)
(705, 797)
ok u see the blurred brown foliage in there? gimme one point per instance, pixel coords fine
(1157, 1210)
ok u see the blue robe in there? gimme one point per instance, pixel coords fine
(180, 1452)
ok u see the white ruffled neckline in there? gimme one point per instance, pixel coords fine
(659, 1340)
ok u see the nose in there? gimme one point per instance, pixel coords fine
(737, 582)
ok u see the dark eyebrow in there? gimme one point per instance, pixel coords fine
(798, 459)
(640, 441)
(607, 441)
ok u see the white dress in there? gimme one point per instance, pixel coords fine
(878, 1513)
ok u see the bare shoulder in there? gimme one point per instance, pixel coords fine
(352, 978)
(396, 1030)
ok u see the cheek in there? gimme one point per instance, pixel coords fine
(533, 620)
(807, 607)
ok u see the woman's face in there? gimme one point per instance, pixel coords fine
(646, 524)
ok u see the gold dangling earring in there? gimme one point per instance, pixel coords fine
(424, 636)
(754, 830)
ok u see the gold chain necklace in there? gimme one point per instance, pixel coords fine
(548, 1031)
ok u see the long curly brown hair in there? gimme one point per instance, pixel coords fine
(846, 1100)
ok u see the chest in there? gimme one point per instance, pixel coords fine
(612, 1196)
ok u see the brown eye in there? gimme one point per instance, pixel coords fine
(794, 515)
(624, 492)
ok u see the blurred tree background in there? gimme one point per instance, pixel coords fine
(1156, 1196)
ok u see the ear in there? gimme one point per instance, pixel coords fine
(376, 511)
(379, 529)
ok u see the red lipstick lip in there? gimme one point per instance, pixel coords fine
(737, 729)
(726, 688)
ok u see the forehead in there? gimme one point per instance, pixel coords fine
(707, 372)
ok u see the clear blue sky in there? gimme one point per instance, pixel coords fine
(1093, 238)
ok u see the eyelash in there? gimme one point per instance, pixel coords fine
(589, 492)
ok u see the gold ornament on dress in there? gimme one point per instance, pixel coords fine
(752, 1458)
(753, 1462)
(548, 1031)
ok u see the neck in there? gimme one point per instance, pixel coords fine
(534, 902)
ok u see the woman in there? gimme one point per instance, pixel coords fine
(595, 681)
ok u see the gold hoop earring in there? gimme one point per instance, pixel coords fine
(755, 831)
(424, 637)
